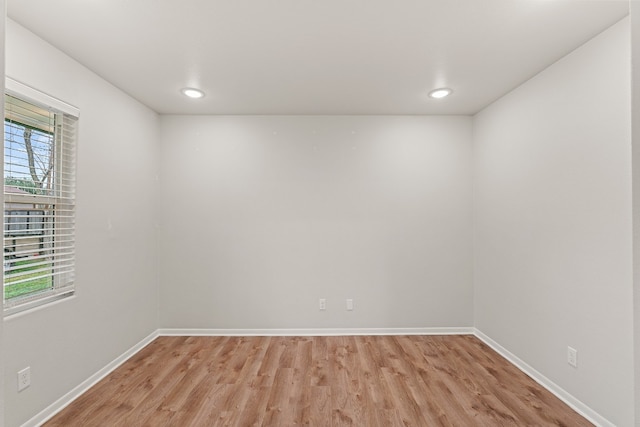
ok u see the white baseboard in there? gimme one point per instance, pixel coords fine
(316, 332)
(65, 400)
(545, 382)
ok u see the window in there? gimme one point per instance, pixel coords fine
(39, 198)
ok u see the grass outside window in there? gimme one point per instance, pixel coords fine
(26, 287)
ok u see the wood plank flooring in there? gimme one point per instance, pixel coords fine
(317, 381)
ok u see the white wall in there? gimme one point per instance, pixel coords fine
(553, 223)
(116, 301)
(634, 9)
(262, 216)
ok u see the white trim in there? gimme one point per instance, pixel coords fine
(8, 317)
(24, 91)
(545, 382)
(57, 406)
(316, 332)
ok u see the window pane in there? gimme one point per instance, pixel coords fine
(29, 278)
(28, 249)
(28, 159)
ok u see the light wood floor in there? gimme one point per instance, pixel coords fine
(317, 381)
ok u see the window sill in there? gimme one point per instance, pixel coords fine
(11, 314)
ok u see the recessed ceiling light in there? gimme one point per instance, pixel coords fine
(440, 92)
(192, 93)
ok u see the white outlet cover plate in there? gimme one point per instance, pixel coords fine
(24, 378)
(572, 356)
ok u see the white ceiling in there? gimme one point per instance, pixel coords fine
(317, 56)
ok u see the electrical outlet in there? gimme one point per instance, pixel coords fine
(24, 378)
(572, 357)
(349, 304)
(322, 304)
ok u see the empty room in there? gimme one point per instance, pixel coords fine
(325, 213)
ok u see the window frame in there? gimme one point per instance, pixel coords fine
(35, 228)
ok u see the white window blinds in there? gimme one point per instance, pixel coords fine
(39, 202)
